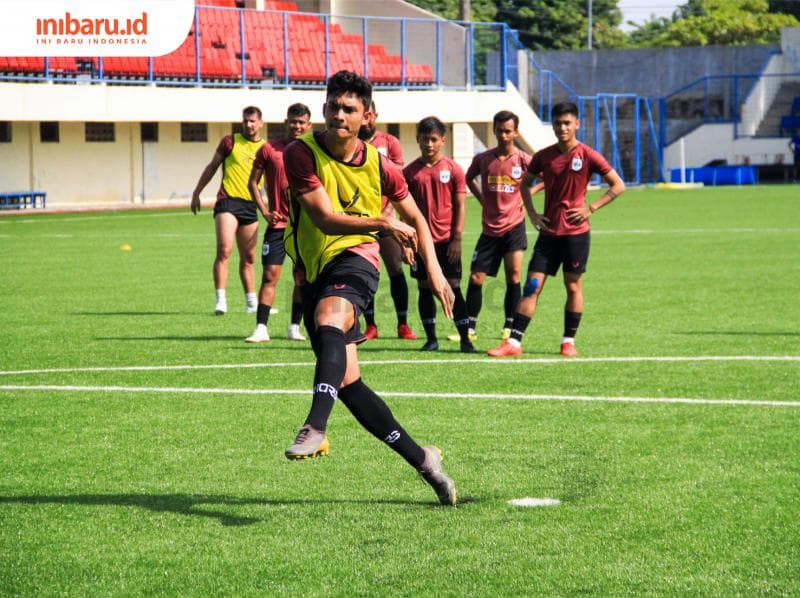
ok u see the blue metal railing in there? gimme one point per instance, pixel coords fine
(422, 52)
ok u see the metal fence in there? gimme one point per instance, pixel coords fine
(231, 47)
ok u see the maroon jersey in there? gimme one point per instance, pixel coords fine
(389, 146)
(565, 178)
(434, 188)
(270, 159)
(301, 172)
(500, 197)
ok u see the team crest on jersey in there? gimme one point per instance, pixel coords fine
(516, 172)
(444, 176)
(382, 151)
(577, 163)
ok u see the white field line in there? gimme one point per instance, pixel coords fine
(424, 395)
(421, 361)
(95, 216)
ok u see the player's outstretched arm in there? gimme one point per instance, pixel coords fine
(205, 177)
(410, 213)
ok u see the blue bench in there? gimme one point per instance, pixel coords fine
(789, 124)
(16, 200)
(717, 175)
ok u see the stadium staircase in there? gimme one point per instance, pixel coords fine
(222, 58)
(783, 115)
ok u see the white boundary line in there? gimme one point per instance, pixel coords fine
(424, 395)
(421, 361)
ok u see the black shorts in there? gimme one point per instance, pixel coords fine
(273, 251)
(246, 212)
(450, 271)
(550, 252)
(349, 276)
(489, 251)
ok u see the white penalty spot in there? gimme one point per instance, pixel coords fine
(534, 502)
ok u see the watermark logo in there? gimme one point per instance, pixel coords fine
(94, 27)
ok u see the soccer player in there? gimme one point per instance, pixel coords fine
(235, 215)
(336, 182)
(392, 254)
(565, 168)
(269, 165)
(794, 145)
(503, 236)
(438, 186)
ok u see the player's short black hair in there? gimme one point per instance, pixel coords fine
(345, 82)
(431, 124)
(248, 110)
(503, 116)
(298, 109)
(564, 108)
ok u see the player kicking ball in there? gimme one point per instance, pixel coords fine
(565, 169)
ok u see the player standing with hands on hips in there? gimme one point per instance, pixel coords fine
(336, 182)
(565, 169)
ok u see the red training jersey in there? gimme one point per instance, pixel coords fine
(500, 197)
(270, 159)
(434, 188)
(389, 146)
(566, 177)
(301, 172)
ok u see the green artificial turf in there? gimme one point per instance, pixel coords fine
(128, 469)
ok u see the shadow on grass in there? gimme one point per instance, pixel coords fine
(204, 338)
(736, 333)
(190, 504)
(130, 313)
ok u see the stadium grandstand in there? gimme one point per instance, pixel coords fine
(149, 124)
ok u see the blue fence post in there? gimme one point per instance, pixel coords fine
(438, 53)
(241, 46)
(402, 52)
(735, 107)
(326, 45)
(504, 57)
(196, 46)
(637, 141)
(471, 56)
(365, 46)
(286, 49)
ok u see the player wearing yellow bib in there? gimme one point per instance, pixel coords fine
(336, 182)
(235, 211)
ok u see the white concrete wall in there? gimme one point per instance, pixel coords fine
(75, 173)
(716, 142)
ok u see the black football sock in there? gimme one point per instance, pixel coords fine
(399, 289)
(474, 301)
(427, 313)
(572, 319)
(513, 294)
(328, 375)
(376, 417)
(518, 326)
(369, 313)
(297, 312)
(460, 317)
(262, 314)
